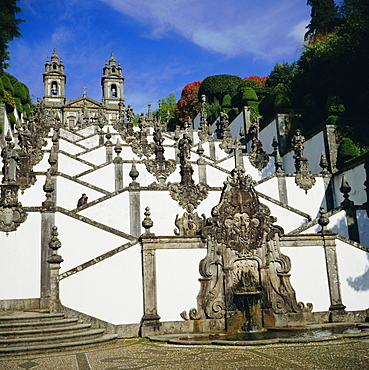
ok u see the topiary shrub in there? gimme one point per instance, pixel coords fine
(27, 110)
(21, 91)
(215, 87)
(12, 120)
(7, 84)
(346, 151)
(227, 101)
(18, 105)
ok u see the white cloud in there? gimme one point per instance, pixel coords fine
(266, 29)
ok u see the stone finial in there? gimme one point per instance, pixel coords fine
(323, 164)
(345, 190)
(133, 174)
(8, 136)
(147, 222)
(108, 134)
(323, 220)
(278, 162)
(200, 149)
(48, 189)
(54, 244)
(118, 148)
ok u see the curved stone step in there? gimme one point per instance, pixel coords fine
(57, 346)
(43, 331)
(18, 325)
(15, 317)
(92, 333)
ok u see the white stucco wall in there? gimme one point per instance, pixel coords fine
(20, 260)
(110, 290)
(309, 276)
(353, 268)
(177, 280)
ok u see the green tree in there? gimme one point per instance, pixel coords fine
(324, 18)
(9, 28)
(166, 109)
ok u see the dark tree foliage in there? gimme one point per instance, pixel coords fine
(324, 18)
(9, 28)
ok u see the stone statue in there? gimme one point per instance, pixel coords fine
(184, 146)
(10, 160)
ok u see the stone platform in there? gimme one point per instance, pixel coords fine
(139, 354)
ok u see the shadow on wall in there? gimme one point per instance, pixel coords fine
(360, 283)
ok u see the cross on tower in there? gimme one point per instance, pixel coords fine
(84, 90)
(236, 146)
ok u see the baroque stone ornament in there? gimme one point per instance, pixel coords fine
(205, 130)
(11, 212)
(225, 133)
(189, 224)
(257, 157)
(187, 193)
(303, 178)
(244, 270)
(160, 167)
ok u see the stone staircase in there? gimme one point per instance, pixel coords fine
(26, 332)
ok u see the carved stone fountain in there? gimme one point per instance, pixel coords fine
(245, 278)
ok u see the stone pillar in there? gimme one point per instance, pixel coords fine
(201, 164)
(54, 261)
(329, 243)
(108, 147)
(332, 273)
(47, 222)
(282, 188)
(281, 134)
(202, 171)
(331, 147)
(134, 203)
(118, 170)
(212, 149)
(150, 319)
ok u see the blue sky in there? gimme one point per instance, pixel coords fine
(162, 44)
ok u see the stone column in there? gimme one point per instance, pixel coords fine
(201, 165)
(212, 149)
(54, 261)
(281, 134)
(329, 243)
(282, 188)
(331, 147)
(150, 318)
(134, 203)
(108, 147)
(332, 273)
(47, 222)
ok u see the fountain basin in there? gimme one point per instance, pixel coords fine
(310, 333)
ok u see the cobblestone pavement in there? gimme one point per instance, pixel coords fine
(142, 354)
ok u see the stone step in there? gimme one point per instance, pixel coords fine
(34, 324)
(43, 331)
(38, 348)
(60, 338)
(22, 317)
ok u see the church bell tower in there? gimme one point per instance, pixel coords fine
(112, 84)
(54, 81)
